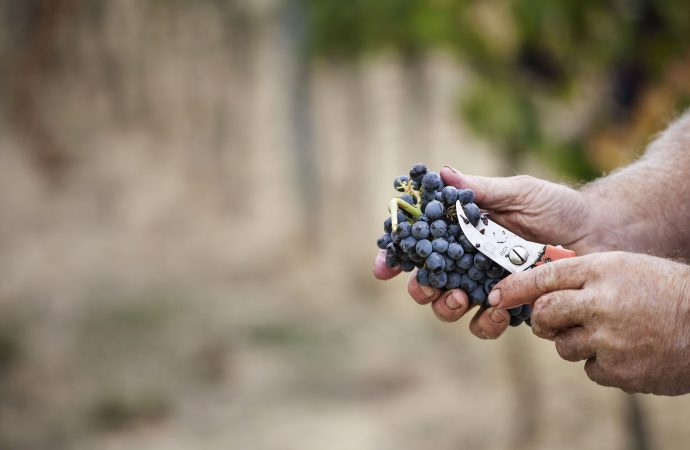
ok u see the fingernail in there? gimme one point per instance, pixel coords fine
(451, 302)
(498, 316)
(494, 297)
(428, 291)
(453, 169)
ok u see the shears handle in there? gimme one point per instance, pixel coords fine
(553, 253)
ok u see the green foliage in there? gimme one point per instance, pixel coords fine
(520, 51)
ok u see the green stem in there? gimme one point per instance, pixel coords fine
(398, 202)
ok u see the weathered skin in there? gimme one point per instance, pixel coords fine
(632, 309)
(626, 314)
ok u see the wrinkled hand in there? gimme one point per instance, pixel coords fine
(535, 209)
(627, 315)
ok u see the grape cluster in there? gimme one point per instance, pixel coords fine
(423, 233)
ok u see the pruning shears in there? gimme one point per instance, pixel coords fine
(505, 248)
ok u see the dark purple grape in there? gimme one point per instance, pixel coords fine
(465, 196)
(515, 311)
(420, 230)
(391, 260)
(455, 250)
(439, 245)
(424, 248)
(438, 279)
(434, 210)
(526, 312)
(466, 261)
(417, 172)
(450, 263)
(489, 284)
(454, 229)
(453, 280)
(408, 244)
(467, 284)
(473, 213)
(400, 182)
(435, 263)
(481, 261)
(407, 266)
(515, 321)
(438, 228)
(423, 277)
(388, 225)
(450, 195)
(393, 250)
(495, 271)
(477, 296)
(404, 229)
(383, 241)
(407, 198)
(428, 196)
(431, 182)
(466, 244)
(475, 273)
(419, 260)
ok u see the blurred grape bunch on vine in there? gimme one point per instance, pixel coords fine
(580, 84)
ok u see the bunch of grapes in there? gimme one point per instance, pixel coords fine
(423, 233)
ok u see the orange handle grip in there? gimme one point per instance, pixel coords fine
(552, 253)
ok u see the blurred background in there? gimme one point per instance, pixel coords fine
(190, 194)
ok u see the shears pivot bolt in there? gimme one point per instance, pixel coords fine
(518, 255)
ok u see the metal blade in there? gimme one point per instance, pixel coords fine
(496, 242)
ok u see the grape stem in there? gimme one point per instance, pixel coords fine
(398, 202)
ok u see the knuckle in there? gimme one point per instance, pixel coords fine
(567, 351)
(544, 312)
(540, 331)
(592, 370)
(544, 278)
(605, 376)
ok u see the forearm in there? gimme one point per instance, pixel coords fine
(645, 207)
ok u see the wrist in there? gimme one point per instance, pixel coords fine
(601, 222)
(617, 223)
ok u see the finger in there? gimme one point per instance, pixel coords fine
(492, 192)
(381, 270)
(421, 294)
(558, 311)
(526, 287)
(596, 373)
(574, 344)
(451, 306)
(489, 323)
(613, 376)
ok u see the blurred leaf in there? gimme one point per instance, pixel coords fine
(631, 43)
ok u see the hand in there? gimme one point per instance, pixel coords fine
(627, 315)
(535, 209)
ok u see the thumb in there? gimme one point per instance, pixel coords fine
(491, 192)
